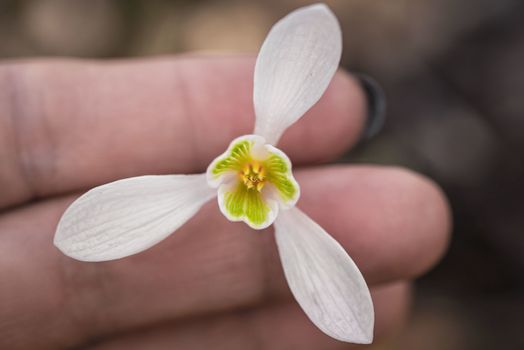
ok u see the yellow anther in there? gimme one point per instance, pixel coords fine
(262, 173)
(253, 175)
(247, 169)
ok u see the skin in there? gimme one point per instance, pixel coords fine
(66, 126)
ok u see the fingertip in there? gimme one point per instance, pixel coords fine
(416, 204)
(393, 222)
(415, 218)
(434, 221)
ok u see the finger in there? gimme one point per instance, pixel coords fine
(69, 125)
(393, 223)
(282, 326)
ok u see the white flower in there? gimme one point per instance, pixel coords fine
(294, 67)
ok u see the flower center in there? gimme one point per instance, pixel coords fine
(253, 175)
(254, 181)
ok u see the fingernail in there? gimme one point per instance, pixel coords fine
(376, 105)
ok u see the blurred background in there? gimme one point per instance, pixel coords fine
(453, 74)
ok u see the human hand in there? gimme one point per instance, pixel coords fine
(67, 126)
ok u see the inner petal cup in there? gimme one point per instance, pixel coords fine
(254, 181)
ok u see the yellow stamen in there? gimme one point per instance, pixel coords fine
(247, 169)
(253, 175)
(262, 173)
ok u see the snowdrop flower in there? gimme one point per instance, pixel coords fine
(253, 182)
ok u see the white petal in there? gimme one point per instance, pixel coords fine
(325, 281)
(294, 67)
(130, 215)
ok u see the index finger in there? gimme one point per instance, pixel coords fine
(68, 125)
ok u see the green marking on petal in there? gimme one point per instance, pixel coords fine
(242, 202)
(279, 174)
(253, 179)
(238, 155)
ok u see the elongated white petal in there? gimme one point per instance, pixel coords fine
(130, 215)
(294, 67)
(325, 281)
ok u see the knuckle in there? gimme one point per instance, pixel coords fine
(29, 138)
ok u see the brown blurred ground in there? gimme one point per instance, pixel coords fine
(454, 78)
